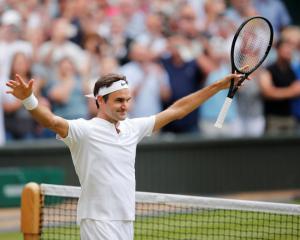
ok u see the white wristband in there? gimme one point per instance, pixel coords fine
(31, 102)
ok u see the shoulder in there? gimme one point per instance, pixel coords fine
(80, 123)
(138, 123)
(137, 120)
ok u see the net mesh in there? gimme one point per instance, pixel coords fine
(163, 216)
(251, 45)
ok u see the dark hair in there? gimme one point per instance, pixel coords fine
(106, 81)
(280, 42)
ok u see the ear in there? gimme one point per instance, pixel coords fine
(100, 100)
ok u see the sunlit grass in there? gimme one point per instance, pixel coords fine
(11, 236)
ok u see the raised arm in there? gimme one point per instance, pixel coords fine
(23, 91)
(189, 103)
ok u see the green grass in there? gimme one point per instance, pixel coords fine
(11, 236)
(208, 225)
(217, 225)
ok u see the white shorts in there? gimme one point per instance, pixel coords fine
(106, 230)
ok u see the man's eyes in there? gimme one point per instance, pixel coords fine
(122, 100)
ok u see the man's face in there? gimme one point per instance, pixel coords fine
(116, 107)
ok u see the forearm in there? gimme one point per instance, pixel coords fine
(270, 91)
(43, 116)
(23, 92)
(187, 104)
(47, 119)
(278, 93)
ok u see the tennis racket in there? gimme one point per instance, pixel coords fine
(250, 47)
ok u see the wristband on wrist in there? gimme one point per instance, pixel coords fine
(31, 102)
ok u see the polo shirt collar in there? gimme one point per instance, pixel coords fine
(109, 124)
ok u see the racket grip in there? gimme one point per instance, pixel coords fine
(223, 112)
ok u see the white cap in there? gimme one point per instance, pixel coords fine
(11, 17)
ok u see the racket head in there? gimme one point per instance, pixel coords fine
(251, 45)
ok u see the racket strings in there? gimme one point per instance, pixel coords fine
(251, 45)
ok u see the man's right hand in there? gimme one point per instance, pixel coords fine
(19, 88)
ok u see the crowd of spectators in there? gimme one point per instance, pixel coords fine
(166, 48)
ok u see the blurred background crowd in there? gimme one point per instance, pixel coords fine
(166, 48)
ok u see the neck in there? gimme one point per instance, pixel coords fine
(177, 61)
(283, 63)
(105, 117)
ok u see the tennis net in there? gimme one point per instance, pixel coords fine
(166, 216)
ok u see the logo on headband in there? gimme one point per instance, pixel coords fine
(118, 85)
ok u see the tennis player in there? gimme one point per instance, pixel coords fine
(103, 149)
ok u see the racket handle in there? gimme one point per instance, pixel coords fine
(223, 112)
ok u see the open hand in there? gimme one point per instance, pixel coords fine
(19, 88)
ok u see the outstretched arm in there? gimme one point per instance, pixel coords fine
(185, 105)
(23, 91)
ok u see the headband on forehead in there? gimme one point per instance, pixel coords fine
(118, 85)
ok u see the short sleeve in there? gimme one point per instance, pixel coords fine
(144, 126)
(77, 132)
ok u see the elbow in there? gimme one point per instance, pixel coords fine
(176, 112)
(49, 124)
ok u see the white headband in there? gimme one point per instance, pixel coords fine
(118, 85)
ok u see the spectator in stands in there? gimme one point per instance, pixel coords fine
(18, 123)
(59, 45)
(95, 48)
(36, 36)
(34, 14)
(187, 26)
(66, 90)
(194, 46)
(153, 37)
(239, 10)
(71, 11)
(166, 8)
(119, 41)
(10, 42)
(292, 34)
(276, 12)
(133, 17)
(251, 108)
(213, 12)
(279, 86)
(148, 82)
(198, 5)
(185, 76)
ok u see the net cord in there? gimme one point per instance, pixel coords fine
(200, 202)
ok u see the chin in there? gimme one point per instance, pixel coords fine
(122, 117)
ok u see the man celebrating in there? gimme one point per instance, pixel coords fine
(103, 149)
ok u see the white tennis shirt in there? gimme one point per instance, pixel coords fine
(105, 164)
